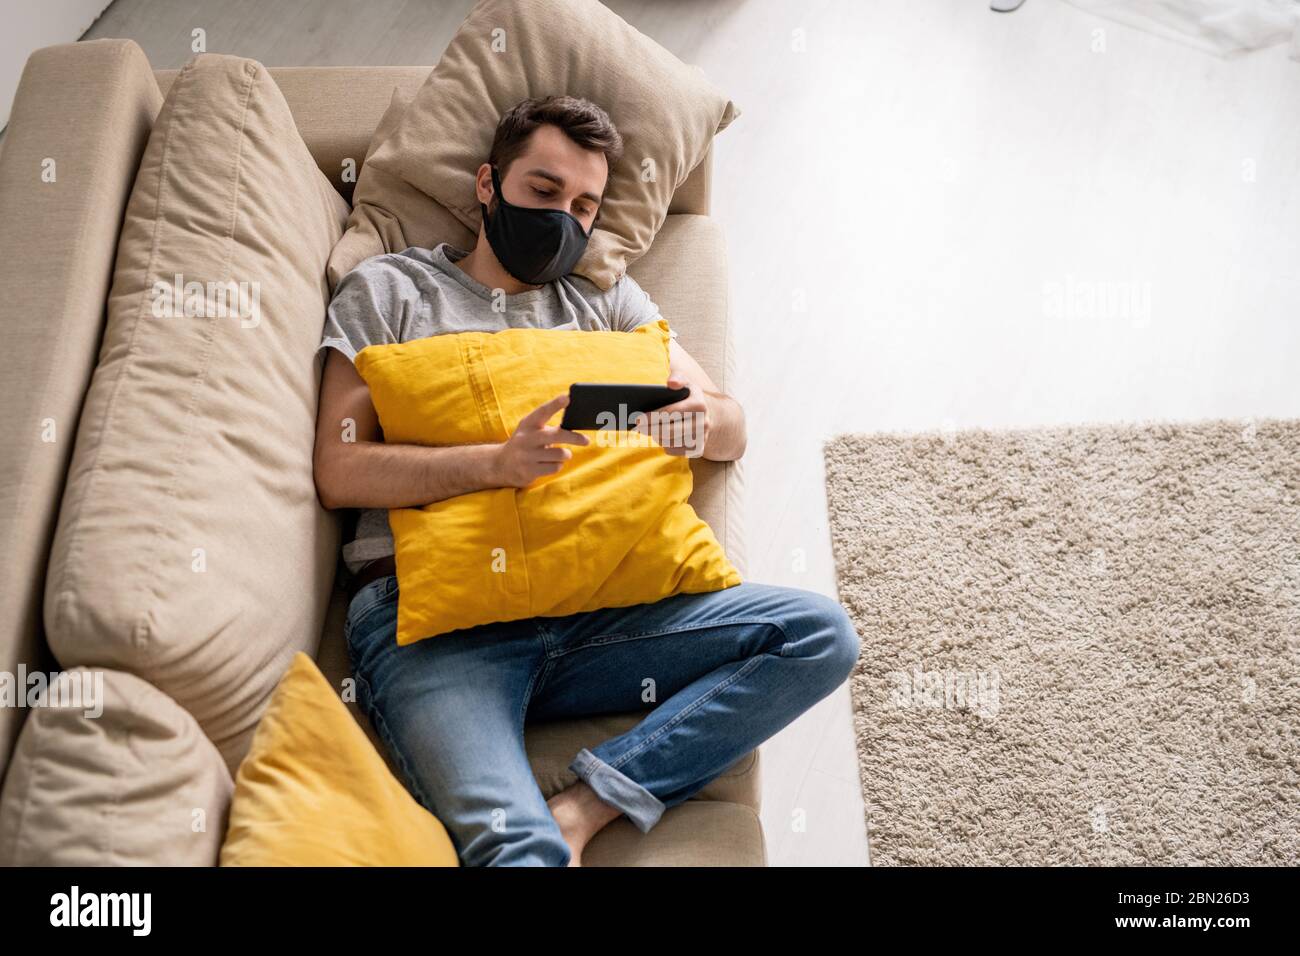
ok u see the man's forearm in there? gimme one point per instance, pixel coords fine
(726, 440)
(380, 475)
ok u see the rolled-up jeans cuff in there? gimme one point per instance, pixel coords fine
(642, 807)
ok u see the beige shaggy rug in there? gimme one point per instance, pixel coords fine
(1080, 645)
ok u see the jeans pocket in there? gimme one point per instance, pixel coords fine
(369, 599)
(366, 624)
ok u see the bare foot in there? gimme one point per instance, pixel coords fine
(581, 815)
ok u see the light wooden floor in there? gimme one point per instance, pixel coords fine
(938, 217)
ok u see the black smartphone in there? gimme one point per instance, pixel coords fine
(611, 405)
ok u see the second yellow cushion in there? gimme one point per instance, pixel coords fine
(313, 791)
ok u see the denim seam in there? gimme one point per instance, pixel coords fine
(547, 636)
(412, 782)
(543, 670)
(352, 660)
(752, 663)
(637, 635)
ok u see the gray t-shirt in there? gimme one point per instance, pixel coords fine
(420, 292)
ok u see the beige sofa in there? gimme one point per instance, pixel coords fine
(142, 783)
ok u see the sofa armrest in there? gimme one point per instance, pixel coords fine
(695, 195)
(80, 120)
(685, 272)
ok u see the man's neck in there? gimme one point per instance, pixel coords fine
(482, 265)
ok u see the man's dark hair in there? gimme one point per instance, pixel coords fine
(581, 120)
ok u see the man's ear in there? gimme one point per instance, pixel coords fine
(483, 184)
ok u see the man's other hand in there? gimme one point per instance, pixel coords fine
(681, 428)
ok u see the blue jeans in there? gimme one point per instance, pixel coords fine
(718, 673)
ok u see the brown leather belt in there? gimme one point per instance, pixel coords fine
(378, 568)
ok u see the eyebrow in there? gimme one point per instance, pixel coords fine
(559, 181)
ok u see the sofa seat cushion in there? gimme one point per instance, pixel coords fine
(694, 833)
(191, 549)
(666, 111)
(611, 528)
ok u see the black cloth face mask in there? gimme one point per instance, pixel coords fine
(533, 245)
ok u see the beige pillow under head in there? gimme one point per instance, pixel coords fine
(389, 215)
(505, 52)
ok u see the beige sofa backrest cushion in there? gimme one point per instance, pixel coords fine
(191, 549)
(504, 52)
(389, 214)
(111, 772)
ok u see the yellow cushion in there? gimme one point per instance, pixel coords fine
(611, 528)
(313, 791)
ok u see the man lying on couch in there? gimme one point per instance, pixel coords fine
(734, 666)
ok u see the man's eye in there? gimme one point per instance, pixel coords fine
(541, 192)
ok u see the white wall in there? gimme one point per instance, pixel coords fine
(32, 25)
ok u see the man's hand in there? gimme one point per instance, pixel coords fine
(683, 427)
(527, 454)
(710, 423)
